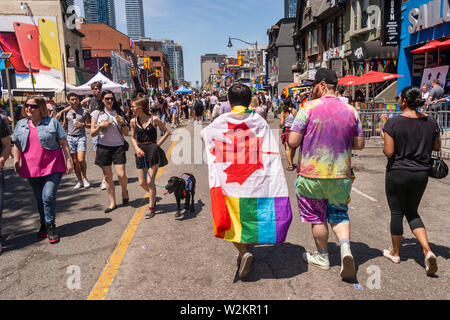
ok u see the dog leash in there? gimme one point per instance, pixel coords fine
(144, 162)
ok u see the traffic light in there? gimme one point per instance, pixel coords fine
(253, 80)
(218, 72)
(147, 63)
(105, 65)
(158, 73)
(261, 80)
(240, 60)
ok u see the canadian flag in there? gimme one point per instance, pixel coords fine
(249, 194)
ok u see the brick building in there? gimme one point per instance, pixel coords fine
(153, 49)
(100, 39)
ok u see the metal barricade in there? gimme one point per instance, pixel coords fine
(373, 122)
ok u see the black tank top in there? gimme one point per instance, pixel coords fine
(148, 134)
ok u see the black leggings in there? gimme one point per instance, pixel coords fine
(404, 191)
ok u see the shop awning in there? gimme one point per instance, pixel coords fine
(348, 80)
(374, 76)
(373, 50)
(431, 46)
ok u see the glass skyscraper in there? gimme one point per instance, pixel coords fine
(134, 10)
(290, 8)
(175, 54)
(100, 11)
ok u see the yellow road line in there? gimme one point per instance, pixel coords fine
(106, 279)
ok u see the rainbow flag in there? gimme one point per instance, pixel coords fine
(249, 195)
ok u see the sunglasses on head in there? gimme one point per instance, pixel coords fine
(32, 106)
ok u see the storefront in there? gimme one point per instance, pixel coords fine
(371, 55)
(424, 21)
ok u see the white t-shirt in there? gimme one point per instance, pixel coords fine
(213, 100)
(111, 136)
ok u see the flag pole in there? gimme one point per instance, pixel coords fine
(32, 77)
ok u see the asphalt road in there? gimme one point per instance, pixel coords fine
(123, 256)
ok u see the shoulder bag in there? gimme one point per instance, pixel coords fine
(439, 168)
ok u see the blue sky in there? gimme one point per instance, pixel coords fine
(203, 26)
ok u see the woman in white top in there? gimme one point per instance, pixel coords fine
(108, 122)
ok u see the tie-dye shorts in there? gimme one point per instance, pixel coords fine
(323, 200)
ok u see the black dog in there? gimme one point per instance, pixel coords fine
(184, 188)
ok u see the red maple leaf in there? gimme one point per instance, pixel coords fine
(244, 153)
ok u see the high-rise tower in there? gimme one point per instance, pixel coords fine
(100, 11)
(134, 10)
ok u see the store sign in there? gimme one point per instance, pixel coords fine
(391, 23)
(334, 53)
(428, 15)
(430, 74)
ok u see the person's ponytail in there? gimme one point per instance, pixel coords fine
(413, 97)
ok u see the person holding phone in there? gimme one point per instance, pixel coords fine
(109, 124)
(42, 155)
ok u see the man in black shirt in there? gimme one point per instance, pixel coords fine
(5, 151)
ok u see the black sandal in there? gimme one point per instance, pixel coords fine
(290, 168)
(108, 210)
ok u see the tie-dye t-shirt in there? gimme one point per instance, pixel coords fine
(328, 126)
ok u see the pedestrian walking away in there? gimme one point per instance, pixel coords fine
(5, 151)
(76, 120)
(108, 122)
(249, 199)
(407, 171)
(287, 119)
(326, 126)
(149, 155)
(40, 142)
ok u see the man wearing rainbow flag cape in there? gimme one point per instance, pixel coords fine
(249, 195)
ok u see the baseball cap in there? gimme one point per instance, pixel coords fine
(329, 76)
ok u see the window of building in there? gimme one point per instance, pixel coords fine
(360, 19)
(312, 42)
(156, 59)
(364, 4)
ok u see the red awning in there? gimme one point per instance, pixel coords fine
(348, 80)
(431, 46)
(445, 44)
(374, 76)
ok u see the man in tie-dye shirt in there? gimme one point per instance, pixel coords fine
(327, 130)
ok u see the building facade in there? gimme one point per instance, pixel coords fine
(209, 63)
(174, 53)
(281, 55)
(69, 49)
(99, 41)
(100, 11)
(417, 30)
(134, 10)
(153, 49)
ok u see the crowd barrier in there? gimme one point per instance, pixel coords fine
(374, 117)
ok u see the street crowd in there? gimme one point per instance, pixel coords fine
(318, 121)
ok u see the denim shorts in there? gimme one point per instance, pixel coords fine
(94, 143)
(322, 200)
(76, 143)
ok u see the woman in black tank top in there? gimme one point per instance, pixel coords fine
(149, 155)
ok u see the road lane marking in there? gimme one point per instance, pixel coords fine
(364, 195)
(106, 279)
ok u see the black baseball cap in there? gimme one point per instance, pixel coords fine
(328, 75)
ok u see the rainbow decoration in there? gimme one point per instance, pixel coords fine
(233, 67)
(131, 43)
(250, 220)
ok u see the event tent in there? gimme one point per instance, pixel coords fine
(43, 82)
(183, 90)
(107, 84)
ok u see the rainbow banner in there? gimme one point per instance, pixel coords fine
(249, 195)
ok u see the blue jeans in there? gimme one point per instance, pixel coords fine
(2, 189)
(163, 120)
(44, 189)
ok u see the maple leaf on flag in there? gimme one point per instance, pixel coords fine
(244, 153)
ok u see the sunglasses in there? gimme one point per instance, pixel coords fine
(32, 106)
(109, 99)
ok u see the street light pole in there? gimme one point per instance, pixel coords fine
(249, 43)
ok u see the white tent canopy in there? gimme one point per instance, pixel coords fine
(43, 83)
(106, 84)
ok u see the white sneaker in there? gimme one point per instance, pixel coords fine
(78, 185)
(246, 264)
(430, 264)
(103, 185)
(348, 270)
(86, 183)
(319, 260)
